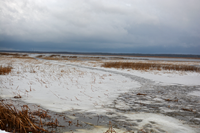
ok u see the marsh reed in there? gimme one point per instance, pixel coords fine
(5, 70)
(150, 66)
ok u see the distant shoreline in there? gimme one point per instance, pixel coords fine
(111, 54)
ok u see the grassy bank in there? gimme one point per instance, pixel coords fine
(150, 66)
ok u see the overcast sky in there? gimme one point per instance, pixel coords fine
(133, 26)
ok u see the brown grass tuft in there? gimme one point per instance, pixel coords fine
(16, 55)
(110, 130)
(13, 120)
(51, 58)
(54, 55)
(150, 66)
(13, 54)
(5, 70)
(22, 57)
(39, 56)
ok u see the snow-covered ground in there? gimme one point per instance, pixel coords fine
(62, 86)
(1, 131)
(54, 85)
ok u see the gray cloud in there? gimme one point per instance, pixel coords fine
(101, 23)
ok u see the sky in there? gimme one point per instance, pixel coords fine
(110, 26)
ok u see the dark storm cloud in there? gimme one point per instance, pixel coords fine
(101, 25)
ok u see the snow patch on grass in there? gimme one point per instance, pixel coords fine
(195, 93)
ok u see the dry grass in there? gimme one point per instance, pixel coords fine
(16, 55)
(172, 57)
(52, 58)
(150, 66)
(24, 57)
(58, 57)
(110, 130)
(74, 58)
(13, 120)
(39, 56)
(54, 55)
(5, 70)
(25, 121)
(7, 54)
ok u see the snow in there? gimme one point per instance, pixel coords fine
(191, 78)
(164, 122)
(97, 129)
(62, 86)
(164, 77)
(1, 131)
(195, 93)
(160, 122)
(165, 59)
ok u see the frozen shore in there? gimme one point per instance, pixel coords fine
(132, 100)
